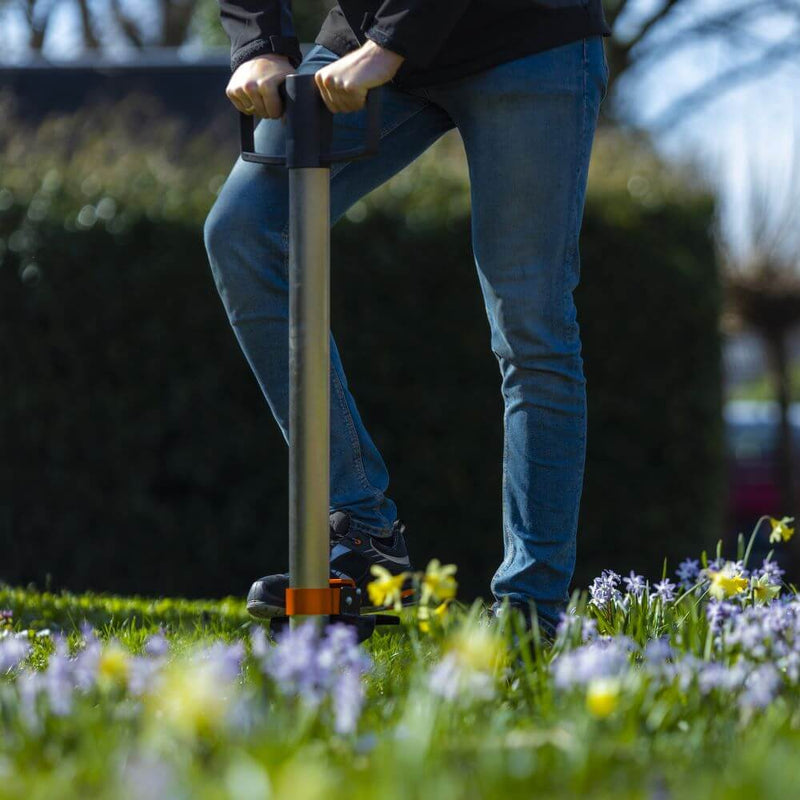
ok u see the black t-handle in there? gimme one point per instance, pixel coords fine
(309, 128)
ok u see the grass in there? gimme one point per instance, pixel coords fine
(649, 691)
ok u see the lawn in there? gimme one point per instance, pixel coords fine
(685, 686)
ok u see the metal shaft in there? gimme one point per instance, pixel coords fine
(309, 378)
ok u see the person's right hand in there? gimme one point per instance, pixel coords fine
(253, 87)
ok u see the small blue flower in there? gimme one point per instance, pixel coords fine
(635, 584)
(688, 572)
(604, 590)
(665, 590)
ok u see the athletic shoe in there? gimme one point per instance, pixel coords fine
(352, 554)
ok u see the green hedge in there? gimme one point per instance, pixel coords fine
(139, 456)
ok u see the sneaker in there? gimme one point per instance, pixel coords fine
(352, 554)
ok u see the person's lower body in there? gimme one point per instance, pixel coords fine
(527, 127)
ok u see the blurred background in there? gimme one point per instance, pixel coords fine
(137, 453)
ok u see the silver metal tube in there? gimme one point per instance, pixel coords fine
(309, 378)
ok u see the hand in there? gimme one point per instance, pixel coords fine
(253, 87)
(344, 83)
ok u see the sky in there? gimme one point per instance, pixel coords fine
(751, 130)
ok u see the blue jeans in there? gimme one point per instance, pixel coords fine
(527, 127)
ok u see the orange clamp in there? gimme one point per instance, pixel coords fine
(312, 601)
(317, 601)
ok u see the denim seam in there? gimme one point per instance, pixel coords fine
(574, 232)
(508, 538)
(358, 456)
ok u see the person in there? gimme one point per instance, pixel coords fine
(522, 81)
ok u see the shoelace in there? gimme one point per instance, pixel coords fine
(336, 537)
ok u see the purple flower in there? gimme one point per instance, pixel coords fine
(142, 673)
(292, 663)
(13, 651)
(58, 685)
(790, 664)
(603, 658)
(714, 675)
(771, 569)
(665, 590)
(588, 629)
(604, 591)
(348, 697)
(453, 680)
(760, 687)
(156, 645)
(224, 659)
(718, 611)
(635, 584)
(688, 572)
(314, 667)
(259, 643)
(86, 662)
(658, 650)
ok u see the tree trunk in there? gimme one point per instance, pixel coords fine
(176, 18)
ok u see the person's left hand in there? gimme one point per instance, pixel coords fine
(344, 83)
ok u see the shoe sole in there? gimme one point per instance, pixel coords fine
(261, 610)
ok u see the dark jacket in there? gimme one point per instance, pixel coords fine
(440, 39)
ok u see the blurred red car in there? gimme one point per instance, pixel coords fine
(751, 432)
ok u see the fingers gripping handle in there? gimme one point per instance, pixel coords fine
(310, 127)
(247, 130)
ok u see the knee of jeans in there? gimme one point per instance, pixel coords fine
(536, 344)
(216, 231)
(223, 225)
(236, 233)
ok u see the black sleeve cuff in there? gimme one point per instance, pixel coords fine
(281, 45)
(387, 40)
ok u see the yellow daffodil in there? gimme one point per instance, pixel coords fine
(386, 589)
(424, 614)
(478, 648)
(112, 667)
(781, 532)
(725, 583)
(189, 699)
(441, 608)
(438, 582)
(763, 590)
(602, 697)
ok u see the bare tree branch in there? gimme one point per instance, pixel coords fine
(90, 40)
(737, 22)
(648, 25)
(769, 61)
(127, 25)
(38, 17)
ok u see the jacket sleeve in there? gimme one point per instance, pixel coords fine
(258, 27)
(415, 29)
